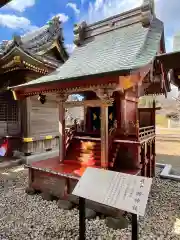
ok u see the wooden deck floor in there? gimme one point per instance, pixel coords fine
(68, 167)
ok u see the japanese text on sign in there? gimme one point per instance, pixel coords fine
(119, 190)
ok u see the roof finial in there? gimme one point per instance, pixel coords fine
(79, 33)
(17, 40)
(147, 12)
(55, 20)
(55, 25)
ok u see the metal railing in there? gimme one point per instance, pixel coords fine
(145, 132)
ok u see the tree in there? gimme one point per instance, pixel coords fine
(173, 115)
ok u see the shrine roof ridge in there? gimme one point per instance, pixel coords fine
(114, 49)
(143, 14)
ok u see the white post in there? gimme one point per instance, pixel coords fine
(169, 123)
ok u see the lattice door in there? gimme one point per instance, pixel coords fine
(10, 124)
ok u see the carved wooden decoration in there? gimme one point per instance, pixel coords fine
(104, 93)
(89, 103)
(17, 59)
(147, 12)
(79, 33)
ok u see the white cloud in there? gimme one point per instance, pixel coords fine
(70, 48)
(101, 9)
(74, 7)
(63, 17)
(15, 22)
(20, 5)
(169, 43)
(167, 11)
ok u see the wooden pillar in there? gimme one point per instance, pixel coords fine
(150, 159)
(25, 108)
(87, 123)
(146, 159)
(104, 95)
(26, 117)
(143, 160)
(62, 146)
(154, 114)
(123, 112)
(154, 158)
(104, 136)
(85, 118)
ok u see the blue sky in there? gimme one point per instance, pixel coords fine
(21, 16)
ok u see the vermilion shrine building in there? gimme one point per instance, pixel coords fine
(27, 123)
(113, 64)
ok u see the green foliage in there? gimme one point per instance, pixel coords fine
(172, 115)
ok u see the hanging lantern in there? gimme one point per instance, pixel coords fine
(42, 98)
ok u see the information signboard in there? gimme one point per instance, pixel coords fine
(119, 190)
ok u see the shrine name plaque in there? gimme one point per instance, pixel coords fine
(119, 190)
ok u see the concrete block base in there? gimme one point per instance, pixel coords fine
(40, 156)
(168, 172)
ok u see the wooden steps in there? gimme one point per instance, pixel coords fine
(76, 151)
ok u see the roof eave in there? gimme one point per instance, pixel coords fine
(56, 82)
(14, 52)
(21, 87)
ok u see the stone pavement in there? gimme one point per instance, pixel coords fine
(9, 162)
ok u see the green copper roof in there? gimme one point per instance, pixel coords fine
(127, 41)
(123, 49)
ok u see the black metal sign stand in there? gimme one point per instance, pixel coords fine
(134, 227)
(82, 222)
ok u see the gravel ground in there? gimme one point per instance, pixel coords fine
(29, 217)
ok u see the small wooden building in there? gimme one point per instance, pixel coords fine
(28, 124)
(113, 65)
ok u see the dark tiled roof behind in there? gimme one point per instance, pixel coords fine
(36, 40)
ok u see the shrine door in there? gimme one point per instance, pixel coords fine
(95, 117)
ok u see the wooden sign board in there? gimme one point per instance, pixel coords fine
(119, 190)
